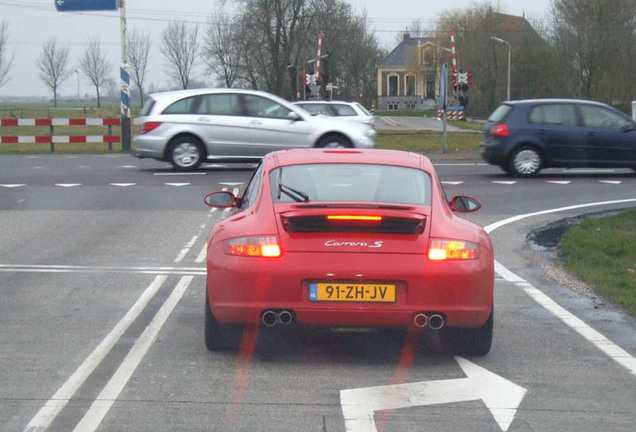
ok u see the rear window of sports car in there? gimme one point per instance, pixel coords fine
(350, 183)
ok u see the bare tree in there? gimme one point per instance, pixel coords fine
(180, 47)
(53, 66)
(138, 55)
(5, 59)
(95, 66)
(219, 50)
(595, 39)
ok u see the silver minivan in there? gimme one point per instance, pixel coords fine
(189, 127)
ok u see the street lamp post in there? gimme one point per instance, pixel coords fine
(496, 39)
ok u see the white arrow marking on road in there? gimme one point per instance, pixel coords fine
(11, 185)
(559, 182)
(68, 185)
(454, 183)
(232, 184)
(177, 184)
(501, 396)
(509, 182)
(123, 184)
(615, 182)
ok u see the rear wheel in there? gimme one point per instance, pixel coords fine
(333, 141)
(220, 337)
(526, 161)
(454, 340)
(186, 153)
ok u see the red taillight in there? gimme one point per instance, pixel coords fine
(149, 126)
(500, 130)
(253, 247)
(442, 250)
(354, 218)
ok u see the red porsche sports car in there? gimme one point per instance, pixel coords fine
(348, 237)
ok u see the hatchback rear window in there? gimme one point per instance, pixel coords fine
(351, 182)
(500, 113)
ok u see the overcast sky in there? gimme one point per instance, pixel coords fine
(31, 22)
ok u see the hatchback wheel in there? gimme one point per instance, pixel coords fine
(186, 153)
(220, 337)
(454, 340)
(526, 161)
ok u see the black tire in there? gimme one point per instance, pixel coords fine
(220, 337)
(186, 153)
(463, 341)
(333, 141)
(525, 161)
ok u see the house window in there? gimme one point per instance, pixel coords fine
(430, 88)
(410, 85)
(393, 85)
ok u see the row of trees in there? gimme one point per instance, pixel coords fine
(583, 49)
(586, 48)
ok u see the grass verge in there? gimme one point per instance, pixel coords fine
(426, 142)
(602, 253)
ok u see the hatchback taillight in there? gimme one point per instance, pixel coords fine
(500, 130)
(149, 126)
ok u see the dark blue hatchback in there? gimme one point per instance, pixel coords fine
(524, 136)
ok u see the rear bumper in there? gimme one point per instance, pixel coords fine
(241, 289)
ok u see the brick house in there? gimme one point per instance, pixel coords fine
(408, 78)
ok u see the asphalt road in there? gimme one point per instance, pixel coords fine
(101, 312)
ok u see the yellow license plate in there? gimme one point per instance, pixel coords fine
(342, 292)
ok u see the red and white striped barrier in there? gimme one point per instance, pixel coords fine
(451, 114)
(20, 139)
(51, 139)
(61, 122)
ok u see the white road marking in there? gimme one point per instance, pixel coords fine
(180, 174)
(37, 268)
(177, 184)
(612, 350)
(613, 182)
(502, 397)
(505, 182)
(100, 407)
(56, 404)
(123, 184)
(68, 185)
(559, 182)
(453, 183)
(12, 185)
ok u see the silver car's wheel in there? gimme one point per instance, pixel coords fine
(333, 141)
(186, 153)
(525, 162)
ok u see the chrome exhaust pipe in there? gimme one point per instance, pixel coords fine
(436, 321)
(269, 318)
(285, 317)
(420, 320)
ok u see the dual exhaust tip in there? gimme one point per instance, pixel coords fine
(270, 318)
(434, 321)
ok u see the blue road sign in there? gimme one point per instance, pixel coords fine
(85, 5)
